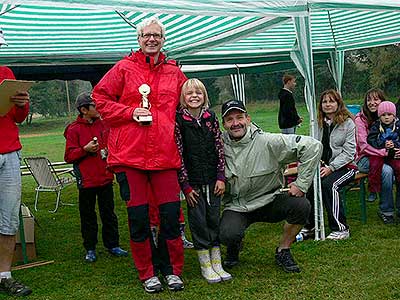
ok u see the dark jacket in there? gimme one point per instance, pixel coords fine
(200, 145)
(288, 116)
(89, 168)
(380, 133)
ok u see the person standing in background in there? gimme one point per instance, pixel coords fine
(288, 118)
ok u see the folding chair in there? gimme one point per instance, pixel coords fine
(47, 178)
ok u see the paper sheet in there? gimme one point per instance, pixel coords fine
(9, 88)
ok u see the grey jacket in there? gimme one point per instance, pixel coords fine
(343, 144)
(255, 165)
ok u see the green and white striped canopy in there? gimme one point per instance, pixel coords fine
(198, 32)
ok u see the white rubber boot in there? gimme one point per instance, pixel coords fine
(206, 269)
(216, 264)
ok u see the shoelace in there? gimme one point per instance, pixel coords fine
(152, 281)
(287, 257)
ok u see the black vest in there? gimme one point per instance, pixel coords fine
(199, 152)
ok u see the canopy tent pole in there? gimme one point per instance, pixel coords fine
(238, 86)
(68, 100)
(336, 67)
(336, 63)
(302, 56)
(241, 85)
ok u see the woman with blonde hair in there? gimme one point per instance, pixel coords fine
(202, 175)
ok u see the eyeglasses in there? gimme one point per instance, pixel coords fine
(156, 36)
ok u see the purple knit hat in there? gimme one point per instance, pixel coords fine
(386, 107)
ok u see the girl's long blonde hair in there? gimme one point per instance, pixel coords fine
(342, 113)
(193, 83)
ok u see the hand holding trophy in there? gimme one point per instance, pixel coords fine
(144, 90)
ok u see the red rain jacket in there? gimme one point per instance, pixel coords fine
(89, 168)
(9, 133)
(116, 95)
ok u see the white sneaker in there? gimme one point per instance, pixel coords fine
(174, 282)
(152, 285)
(339, 235)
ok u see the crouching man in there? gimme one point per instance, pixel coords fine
(255, 161)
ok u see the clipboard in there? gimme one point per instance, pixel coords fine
(9, 88)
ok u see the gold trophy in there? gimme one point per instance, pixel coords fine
(144, 90)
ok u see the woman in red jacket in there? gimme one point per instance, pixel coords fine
(143, 153)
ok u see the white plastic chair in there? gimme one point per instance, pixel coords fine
(47, 178)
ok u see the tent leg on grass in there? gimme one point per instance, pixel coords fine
(32, 264)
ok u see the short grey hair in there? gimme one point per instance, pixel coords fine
(147, 22)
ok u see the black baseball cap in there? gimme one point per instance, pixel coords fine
(232, 104)
(84, 98)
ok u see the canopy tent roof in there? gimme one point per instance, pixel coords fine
(70, 33)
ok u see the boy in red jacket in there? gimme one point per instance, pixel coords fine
(86, 147)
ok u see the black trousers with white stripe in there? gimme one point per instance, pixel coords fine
(331, 186)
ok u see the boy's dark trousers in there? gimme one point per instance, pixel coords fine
(87, 210)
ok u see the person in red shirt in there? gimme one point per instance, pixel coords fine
(10, 182)
(144, 154)
(86, 147)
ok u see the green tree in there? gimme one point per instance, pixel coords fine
(212, 88)
(48, 98)
(384, 64)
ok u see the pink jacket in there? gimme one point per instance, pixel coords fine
(363, 148)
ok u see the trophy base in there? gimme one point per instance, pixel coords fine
(145, 120)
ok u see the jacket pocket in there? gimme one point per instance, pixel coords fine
(262, 181)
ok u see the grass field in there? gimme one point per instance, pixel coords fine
(364, 267)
